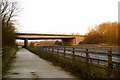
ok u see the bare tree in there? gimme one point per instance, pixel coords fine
(8, 11)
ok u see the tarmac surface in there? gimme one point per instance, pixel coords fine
(28, 65)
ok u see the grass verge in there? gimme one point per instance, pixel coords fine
(7, 55)
(77, 67)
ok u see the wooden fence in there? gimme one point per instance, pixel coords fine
(62, 50)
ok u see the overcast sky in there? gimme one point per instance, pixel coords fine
(65, 16)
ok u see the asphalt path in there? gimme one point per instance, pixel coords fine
(29, 65)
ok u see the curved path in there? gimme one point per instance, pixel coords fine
(29, 65)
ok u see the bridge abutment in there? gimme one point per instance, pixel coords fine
(68, 42)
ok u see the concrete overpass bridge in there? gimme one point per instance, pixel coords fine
(68, 40)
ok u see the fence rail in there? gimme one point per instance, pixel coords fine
(105, 57)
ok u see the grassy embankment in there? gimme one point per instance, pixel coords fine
(7, 56)
(77, 67)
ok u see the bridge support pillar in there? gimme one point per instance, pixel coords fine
(25, 43)
(69, 42)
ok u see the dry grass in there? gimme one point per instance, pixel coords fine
(7, 56)
(76, 67)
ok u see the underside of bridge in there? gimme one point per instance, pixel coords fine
(66, 42)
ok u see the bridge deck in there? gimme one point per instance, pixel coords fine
(43, 37)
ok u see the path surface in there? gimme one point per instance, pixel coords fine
(29, 65)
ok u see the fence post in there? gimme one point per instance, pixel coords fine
(42, 49)
(110, 59)
(110, 65)
(87, 56)
(52, 50)
(48, 49)
(57, 50)
(87, 63)
(73, 51)
(45, 49)
(64, 52)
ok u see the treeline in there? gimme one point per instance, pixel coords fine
(8, 35)
(105, 33)
(8, 12)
